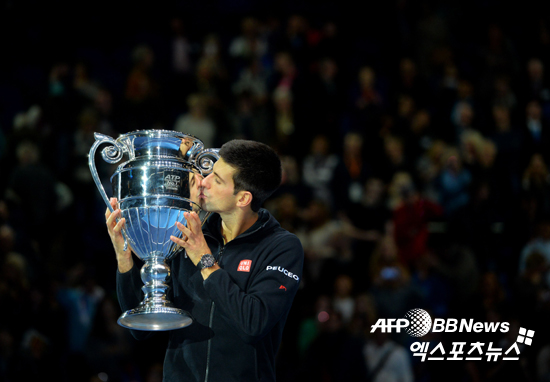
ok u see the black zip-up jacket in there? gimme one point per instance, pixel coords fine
(239, 312)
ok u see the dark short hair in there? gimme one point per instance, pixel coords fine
(258, 168)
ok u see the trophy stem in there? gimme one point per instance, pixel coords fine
(155, 274)
(155, 312)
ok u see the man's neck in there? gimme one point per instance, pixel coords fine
(235, 224)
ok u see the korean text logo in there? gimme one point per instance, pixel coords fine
(418, 323)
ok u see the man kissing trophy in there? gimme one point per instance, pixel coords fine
(154, 188)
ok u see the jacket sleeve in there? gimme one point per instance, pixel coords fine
(269, 296)
(128, 290)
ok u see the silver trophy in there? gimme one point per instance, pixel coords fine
(154, 188)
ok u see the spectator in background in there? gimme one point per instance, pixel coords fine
(406, 108)
(59, 113)
(182, 50)
(365, 223)
(535, 133)
(182, 56)
(428, 167)
(536, 183)
(434, 289)
(15, 291)
(331, 43)
(351, 172)
(453, 183)
(387, 361)
(503, 95)
(80, 297)
(251, 112)
(464, 95)
(109, 344)
(456, 263)
(109, 116)
(411, 83)
(142, 93)
(285, 85)
(498, 53)
(462, 122)
(252, 79)
(212, 78)
(532, 288)
(292, 182)
(196, 121)
(419, 137)
(539, 243)
(334, 354)
(295, 40)
(410, 221)
(343, 300)
(326, 248)
(508, 141)
(394, 159)
(317, 313)
(82, 82)
(491, 299)
(249, 45)
(367, 101)
(391, 289)
(249, 120)
(32, 197)
(325, 101)
(285, 126)
(536, 86)
(319, 169)
(81, 181)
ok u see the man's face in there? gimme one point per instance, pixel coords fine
(194, 190)
(217, 189)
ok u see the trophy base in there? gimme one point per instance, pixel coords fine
(157, 319)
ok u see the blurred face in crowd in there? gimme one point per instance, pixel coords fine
(533, 110)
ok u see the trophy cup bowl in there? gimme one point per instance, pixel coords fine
(154, 187)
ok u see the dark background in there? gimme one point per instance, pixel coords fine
(455, 236)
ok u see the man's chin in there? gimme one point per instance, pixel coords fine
(202, 205)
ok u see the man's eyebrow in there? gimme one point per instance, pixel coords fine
(219, 177)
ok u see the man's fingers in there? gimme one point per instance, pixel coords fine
(112, 218)
(113, 202)
(118, 227)
(193, 221)
(185, 230)
(178, 241)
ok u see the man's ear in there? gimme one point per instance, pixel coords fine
(244, 198)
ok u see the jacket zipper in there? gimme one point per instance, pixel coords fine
(212, 306)
(211, 319)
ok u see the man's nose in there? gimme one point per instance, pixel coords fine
(203, 182)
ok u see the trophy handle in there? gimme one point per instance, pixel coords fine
(205, 159)
(111, 154)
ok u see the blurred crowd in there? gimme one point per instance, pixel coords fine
(415, 147)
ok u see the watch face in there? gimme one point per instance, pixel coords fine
(207, 261)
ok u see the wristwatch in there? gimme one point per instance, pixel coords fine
(206, 261)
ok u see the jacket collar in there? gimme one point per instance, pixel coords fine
(212, 227)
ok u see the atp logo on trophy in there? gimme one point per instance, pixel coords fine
(172, 182)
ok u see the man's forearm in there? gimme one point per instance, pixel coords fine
(125, 264)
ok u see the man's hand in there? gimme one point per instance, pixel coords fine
(124, 258)
(193, 240)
